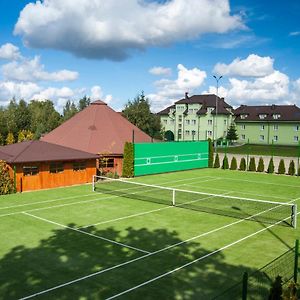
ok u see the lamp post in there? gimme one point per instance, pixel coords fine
(216, 120)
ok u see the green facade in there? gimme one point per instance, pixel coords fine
(281, 133)
(186, 125)
(152, 158)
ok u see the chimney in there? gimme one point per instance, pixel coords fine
(186, 95)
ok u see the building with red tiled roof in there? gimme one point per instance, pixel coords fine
(98, 129)
(40, 165)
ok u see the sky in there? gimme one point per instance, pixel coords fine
(113, 50)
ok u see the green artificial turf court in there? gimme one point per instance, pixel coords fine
(73, 243)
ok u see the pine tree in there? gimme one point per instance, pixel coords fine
(271, 167)
(210, 154)
(281, 167)
(291, 168)
(128, 168)
(6, 183)
(252, 166)
(242, 164)
(233, 164)
(10, 139)
(217, 161)
(261, 165)
(225, 165)
(231, 134)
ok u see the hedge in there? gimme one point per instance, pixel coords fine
(233, 164)
(252, 166)
(281, 167)
(271, 166)
(128, 168)
(242, 164)
(217, 161)
(261, 165)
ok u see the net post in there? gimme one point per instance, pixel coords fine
(173, 198)
(296, 261)
(294, 216)
(245, 286)
(93, 183)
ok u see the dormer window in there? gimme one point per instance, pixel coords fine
(210, 109)
(244, 116)
(276, 116)
(262, 116)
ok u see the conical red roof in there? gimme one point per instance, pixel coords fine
(97, 129)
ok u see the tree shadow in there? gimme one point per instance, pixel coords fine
(68, 255)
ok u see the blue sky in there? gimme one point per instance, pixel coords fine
(114, 49)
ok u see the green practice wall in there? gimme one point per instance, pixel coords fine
(152, 158)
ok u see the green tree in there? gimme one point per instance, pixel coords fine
(69, 110)
(128, 169)
(1, 139)
(281, 167)
(138, 113)
(242, 164)
(11, 113)
(225, 165)
(292, 168)
(217, 161)
(22, 116)
(210, 153)
(261, 165)
(10, 138)
(83, 103)
(252, 165)
(231, 134)
(271, 166)
(233, 164)
(6, 183)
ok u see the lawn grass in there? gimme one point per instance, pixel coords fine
(269, 150)
(51, 238)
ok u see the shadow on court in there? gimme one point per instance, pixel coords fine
(68, 255)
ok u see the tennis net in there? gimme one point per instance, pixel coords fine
(225, 205)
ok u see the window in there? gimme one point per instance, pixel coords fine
(193, 132)
(106, 162)
(179, 118)
(179, 125)
(30, 170)
(195, 110)
(172, 121)
(210, 109)
(276, 116)
(56, 167)
(243, 137)
(179, 135)
(262, 116)
(275, 127)
(209, 133)
(243, 127)
(243, 117)
(296, 138)
(209, 122)
(261, 137)
(193, 122)
(190, 111)
(187, 122)
(262, 127)
(79, 165)
(187, 132)
(296, 127)
(275, 138)
(165, 121)
(225, 122)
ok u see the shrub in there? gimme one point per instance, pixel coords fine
(233, 164)
(281, 167)
(6, 182)
(217, 161)
(252, 166)
(112, 175)
(242, 164)
(225, 165)
(210, 154)
(291, 168)
(261, 165)
(271, 166)
(128, 168)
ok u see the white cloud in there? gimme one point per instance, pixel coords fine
(112, 29)
(10, 52)
(33, 70)
(160, 71)
(169, 90)
(294, 33)
(253, 66)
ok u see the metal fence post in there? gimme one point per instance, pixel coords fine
(296, 261)
(245, 286)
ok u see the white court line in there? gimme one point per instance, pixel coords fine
(134, 260)
(86, 233)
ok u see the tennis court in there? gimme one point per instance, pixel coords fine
(130, 241)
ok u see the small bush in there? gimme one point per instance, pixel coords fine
(291, 168)
(281, 167)
(252, 166)
(261, 165)
(211, 154)
(217, 161)
(112, 175)
(271, 167)
(233, 164)
(225, 164)
(242, 164)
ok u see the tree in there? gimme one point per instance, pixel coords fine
(261, 165)
(281, 167)
(128, 168)
(242, 164)
(83, 103)
(291, 168)
(271, 166)
(6, 183)
(69, 110)
(1, 139)
(231, 134)
(10, 139)
(210, 153)
(233, 164)
(25, 135)
(252, 166)
(138, 113)
(225, 165)
(217, 161)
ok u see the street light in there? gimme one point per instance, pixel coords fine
(216, 121)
